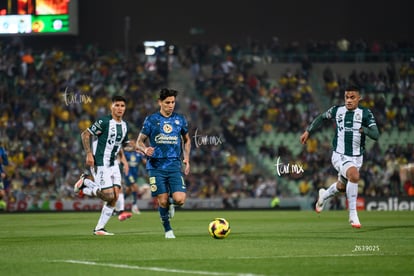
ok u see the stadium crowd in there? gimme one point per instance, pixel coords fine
(49, 96)
(231, 86)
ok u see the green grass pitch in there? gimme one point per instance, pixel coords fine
(260, 243)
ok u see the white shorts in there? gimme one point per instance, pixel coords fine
(107, 177)
(343, 162)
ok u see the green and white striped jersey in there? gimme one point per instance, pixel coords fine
(348, 140)
(110, 135)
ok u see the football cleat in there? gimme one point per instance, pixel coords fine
(354, 221)
(79, 184)
(135, 210)
(102, 232)
(169, 234)
(320, 203)
(124, 215)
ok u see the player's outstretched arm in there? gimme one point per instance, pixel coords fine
(372, 132)
(304, 137)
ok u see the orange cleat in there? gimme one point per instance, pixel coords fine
(124, 215)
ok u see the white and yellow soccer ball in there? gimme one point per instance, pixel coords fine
(219, 228)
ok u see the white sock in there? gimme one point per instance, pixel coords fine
(352, 194)
(106, 214)
(91, 187)
(330, 192)
(120, 203)
(88, 190)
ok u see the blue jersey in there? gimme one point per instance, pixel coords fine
(3, 158)
(134, 159)
(165, 136)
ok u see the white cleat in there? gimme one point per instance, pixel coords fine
(354, 221)
(320, 203)
(102, 232)
(79, 184)
(169, 234)
(135, 210)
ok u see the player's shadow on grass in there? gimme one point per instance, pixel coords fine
(380, 228)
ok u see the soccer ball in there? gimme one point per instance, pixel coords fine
(219, 228)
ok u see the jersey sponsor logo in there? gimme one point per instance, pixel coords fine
(98, 124)
(153, 183)
(339, 120)
(164, 139)
(111, 139)
(96, 128)
(114, 137)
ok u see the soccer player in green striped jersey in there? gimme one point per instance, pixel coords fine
(353, 124)
(102, 142)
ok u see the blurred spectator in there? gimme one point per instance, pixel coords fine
(70, 87)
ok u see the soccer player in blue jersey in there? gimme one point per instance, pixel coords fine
(4, 160)
(131, 178)
(165, 140)
(353, 124)
(107, 135)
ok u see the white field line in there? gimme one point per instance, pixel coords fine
(158, 269)
(198, 272)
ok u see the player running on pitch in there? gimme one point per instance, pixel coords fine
(110, 134)
(353, 124)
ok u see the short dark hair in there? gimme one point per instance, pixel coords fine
(118, 98)
(352, 88)
(165, 93)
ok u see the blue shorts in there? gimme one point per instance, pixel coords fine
(130, 179)
(162, 182)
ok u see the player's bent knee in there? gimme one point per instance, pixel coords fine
(108, 197)
(179, 200)
(163, 203)
(340, 186)
(353, 174)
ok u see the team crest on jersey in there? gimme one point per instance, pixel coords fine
(167, 128)
(177, 122)
(358, 117)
